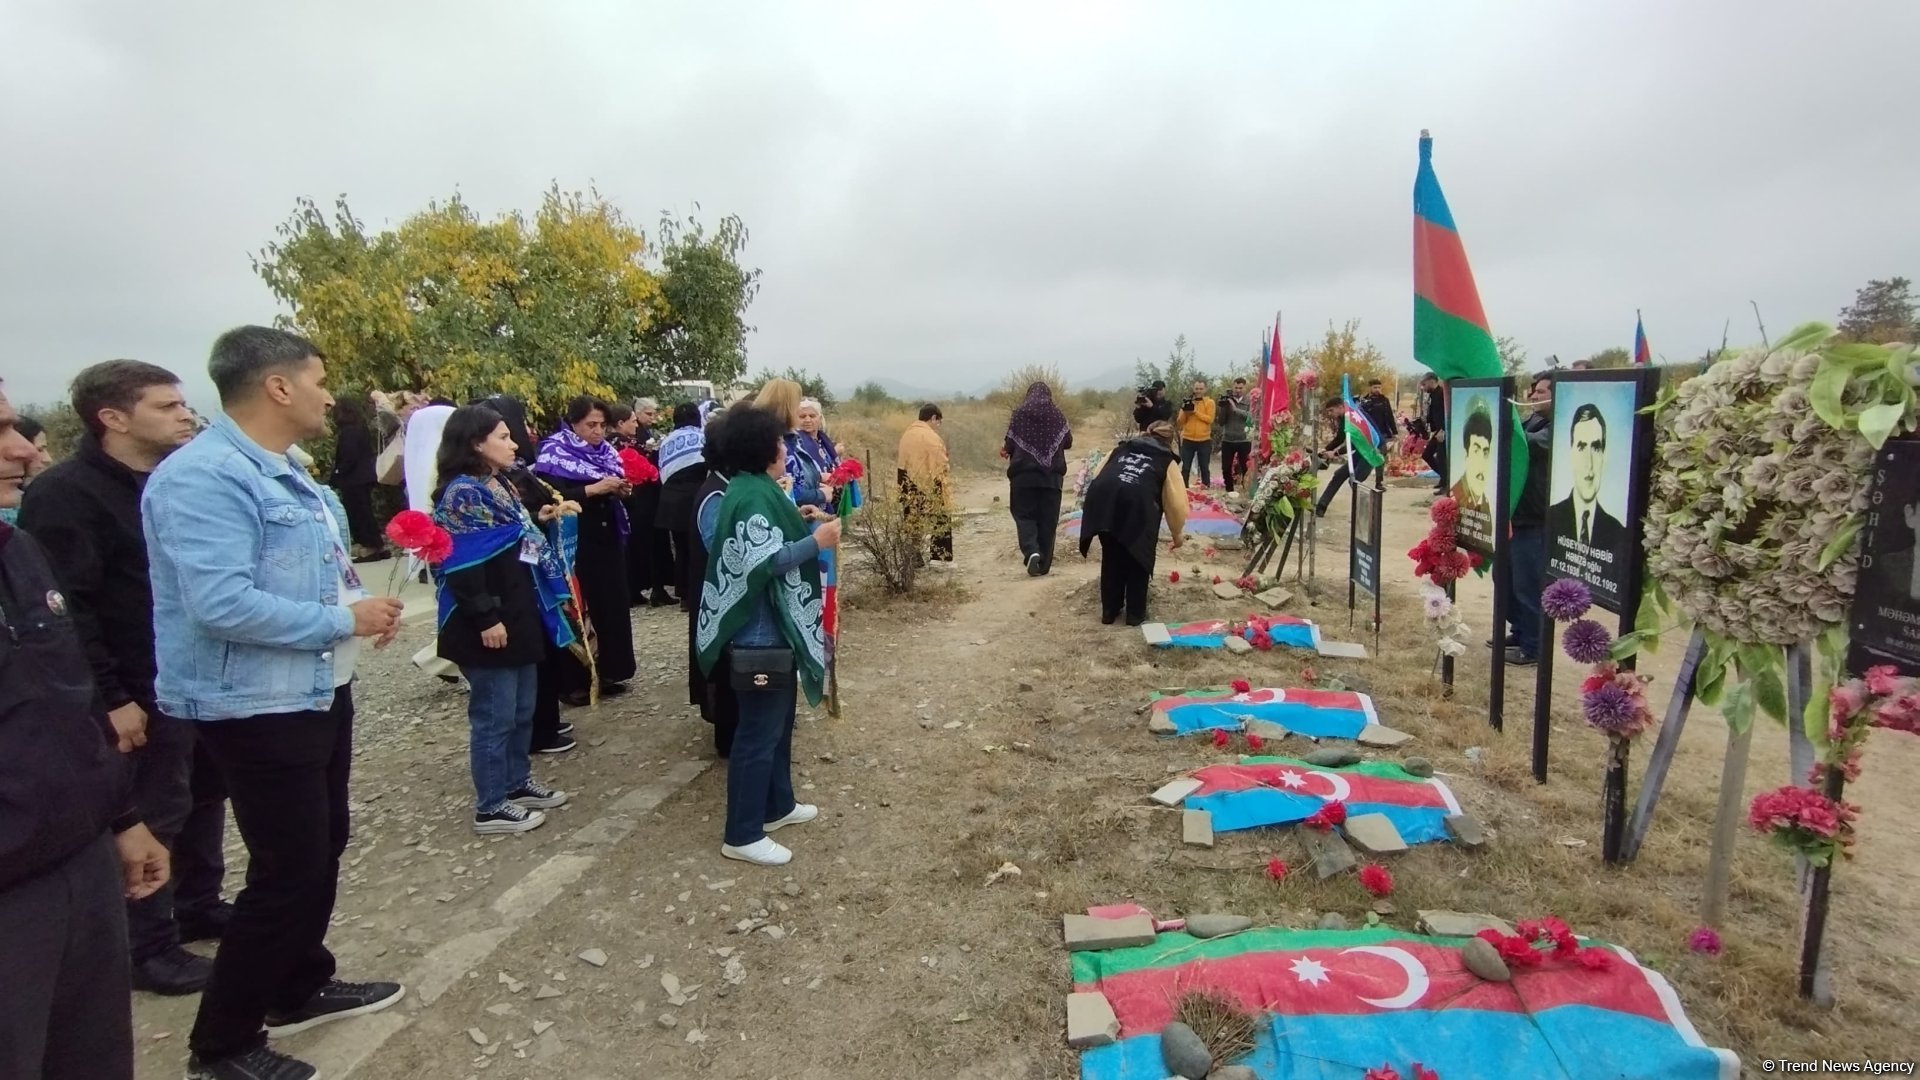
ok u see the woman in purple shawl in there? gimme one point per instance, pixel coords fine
(1038, 438)
(581, 465)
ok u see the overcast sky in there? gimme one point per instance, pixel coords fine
(937, 197)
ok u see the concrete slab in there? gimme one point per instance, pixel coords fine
(1465, 830)
(1377, 735)
(1374, 833)
(1090, 1021)
(1226, 590)
(1156, 633)
(1345, 650)
(1196, 827)
(1238, 645)
(1174, 791)
(1274, 598)
(1330, 854)
(1443, 923)
(1084, 933)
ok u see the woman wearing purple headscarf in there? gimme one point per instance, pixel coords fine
(1038, 438)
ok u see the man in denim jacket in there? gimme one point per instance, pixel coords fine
(258, 614)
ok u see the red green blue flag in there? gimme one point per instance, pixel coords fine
(1285, 630)
(1641, 353)
(1362, 437)
(1263, 791)
(1317, 714)
(1335, 1003)
(1275, 393)
(1450, 334)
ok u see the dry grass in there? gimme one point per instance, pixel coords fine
(1219, 1021)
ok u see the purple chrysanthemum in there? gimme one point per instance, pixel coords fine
(1587, 642)
(1566, 600)
(1610, 708)
(1704, 941)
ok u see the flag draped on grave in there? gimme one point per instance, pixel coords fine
(1286, 630)
(1275, 394)
(1450, 334)
(1336, 1003)
(1317, 714)
(1280, 791)
(1362, 437)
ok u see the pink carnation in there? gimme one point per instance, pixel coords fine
(1884, 681)
(1704, 941)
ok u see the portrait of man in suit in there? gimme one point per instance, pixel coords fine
(1580, 515)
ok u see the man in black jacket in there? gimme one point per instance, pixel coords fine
(1433, 410)
(1527, 558)
(71, 846)
(1379, 409)
(87, 508)
(1150, 405)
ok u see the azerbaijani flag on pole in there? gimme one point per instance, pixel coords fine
(1275, 395)
(1336, 1003)
(1362, 437)
(1450, 334)
(1641, 354)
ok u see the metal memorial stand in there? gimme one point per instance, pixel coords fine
(1664, 747)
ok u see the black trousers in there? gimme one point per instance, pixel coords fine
(929, 506)
(601, 566)
(182, 801)
(287, 776)
(546, 697)
(1036, 517)
(1362, 471)
(1435, 455)
(1123, 583)
(1235, 458)
(361, 524)
(63, 946)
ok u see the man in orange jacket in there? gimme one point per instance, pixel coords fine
(1196, 434)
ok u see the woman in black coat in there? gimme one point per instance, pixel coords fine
(581, 465)
(353, 477)
(499, 596)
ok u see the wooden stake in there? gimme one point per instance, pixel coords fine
(1665, 746)
(1726, 825)
(1613, 800)
(1816, 982)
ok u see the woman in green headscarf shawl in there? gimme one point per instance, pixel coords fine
(760, 604)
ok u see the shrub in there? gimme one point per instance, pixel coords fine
(893, 539)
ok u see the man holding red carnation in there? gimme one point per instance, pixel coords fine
(264, 614)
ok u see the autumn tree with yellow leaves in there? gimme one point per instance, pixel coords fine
(570, 302)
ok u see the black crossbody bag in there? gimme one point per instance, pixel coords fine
(758, 667)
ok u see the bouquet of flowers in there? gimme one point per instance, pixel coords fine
(1438, 558)
(1443, 618)
(637, 470)
(1805, 821)
(415, 533)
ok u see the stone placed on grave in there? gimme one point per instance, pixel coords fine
(1333, 920)
(1174, 791)
(1266, 729)
(1090, 1021)
(1374, 833)
(1330, 854)
(1465, 830)
(1196, 828)
(1226, 590)
(1386, 737)
(1156, 633)
(1158, 723)
(1274, 598)
(1332, 757)
(1213, 926)
(1443, 923)
(1238, 645)
(1484, 960)
(1084, 933)
(1184, 1052)
(1418, 766)
(1344, 650)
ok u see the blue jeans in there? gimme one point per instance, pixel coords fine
(500, 722)
(1527, 560)
(760, 766)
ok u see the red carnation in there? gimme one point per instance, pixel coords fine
(1376, 880)
(437, 547)
(1255, 742)
(1242, 686)
(410, 529)
(1216, 579)
(1594, 959)
(1330, 814)
(1445, 511)
(1421, 1072)
(846, 472)
(1262, 640)
(1173, 577)
(1384, 1072)
(1276, 869)
(1221, 738)
(636, 468)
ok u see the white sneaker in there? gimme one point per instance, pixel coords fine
(802, 813)
(762, 852)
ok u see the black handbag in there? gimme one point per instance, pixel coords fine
(758, 668)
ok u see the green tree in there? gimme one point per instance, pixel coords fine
(1341, 351)
(812, 385)
(544, 308)
(1181, 368)
(63, 426)
(1513, 355)
(1882, 311)
(699, 327)
(872, 394)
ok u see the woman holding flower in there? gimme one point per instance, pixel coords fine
(583, 467)
(499, 595)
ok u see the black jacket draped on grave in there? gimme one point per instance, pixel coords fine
(1124, 499)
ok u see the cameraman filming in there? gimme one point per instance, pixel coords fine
(1150, 405)
(1196, 434)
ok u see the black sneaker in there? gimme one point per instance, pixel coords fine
(565, 729)
(533, 795)
(560, 746)
(172, 973)
(335, 1001)
(509, 819)
(260, 1063)
(1518, 657)
(1033, 565)
(206, 925)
